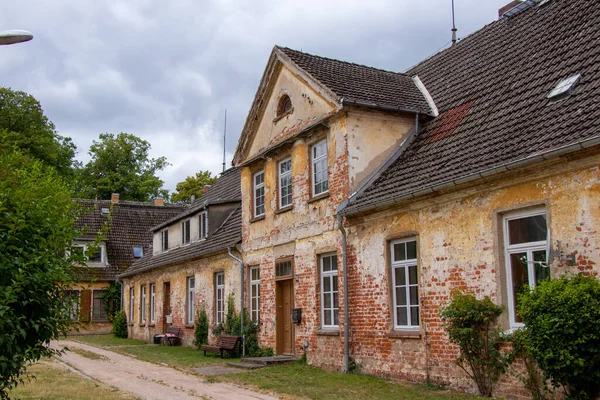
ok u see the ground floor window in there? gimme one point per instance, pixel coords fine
(73, 299)
(99, 309)
(254, 293)
(329, 290)
(190, 300)
(405, 283)
(219, 297)
(143, 306)
(131, 302)
(152, 303)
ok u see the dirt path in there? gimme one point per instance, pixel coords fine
(147, 380)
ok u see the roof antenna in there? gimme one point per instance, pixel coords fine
(453, 26)
(224, 136)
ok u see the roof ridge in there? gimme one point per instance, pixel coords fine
(343, 62)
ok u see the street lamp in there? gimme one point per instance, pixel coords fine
(14, 36)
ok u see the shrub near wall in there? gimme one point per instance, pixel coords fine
(562, 319)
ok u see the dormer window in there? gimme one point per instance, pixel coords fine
(164, 240)
(185, 232)
(84, 251)
(284, 106)
(203, 225)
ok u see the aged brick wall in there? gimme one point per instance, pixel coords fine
(203, 270)
(460, 246)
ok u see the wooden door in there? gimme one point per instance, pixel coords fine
(166, 304)
(284, 325)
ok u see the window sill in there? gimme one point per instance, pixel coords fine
(151, 325)
(404, 334)
(318, 197)
(284, 209)
(282, 116)
(189, 326)
(99, 320)
(328, 332)
(130, 324)
(142, 325)
(256, 219)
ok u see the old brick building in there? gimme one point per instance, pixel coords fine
(472, 170)
(189, 266)
(125, 227)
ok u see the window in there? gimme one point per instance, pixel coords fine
(185, 232)
(73, 301)
(165, 240)
(131, 302)
(283, 269)
(405, 284)
(320, 182)
(203, 225)
(284, 105)
(143, 306)
(99, 312)
(259, 194)
(329, 291)
(285, 183)
(219, 297)
(190, 300)
(564, 87)
(525, 245)
(152, 303)
(138, 252)
(84, 250)
(254, 293)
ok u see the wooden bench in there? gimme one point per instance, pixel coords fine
(171, 338)
(224, 343)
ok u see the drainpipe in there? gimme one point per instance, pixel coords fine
(346, 316)
(241, 299)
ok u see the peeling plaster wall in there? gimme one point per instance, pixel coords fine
(203, 270)
(91, 327)
(459, 239)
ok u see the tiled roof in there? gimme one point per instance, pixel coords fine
(492, 93)
(227, 235)
(362, 83)
(226, 189)
(129, 226)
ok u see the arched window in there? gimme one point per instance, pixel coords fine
(285, 105)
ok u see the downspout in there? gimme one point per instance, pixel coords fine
(241, 300)
(346, 316)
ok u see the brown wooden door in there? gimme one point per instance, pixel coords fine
(166, 304)
(285, 328)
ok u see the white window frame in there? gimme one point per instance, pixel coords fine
(164, 234)
(314, 162)
(529, 248)
(186, 231)
(282, 176)
(131, 304)
(219, 297)
(143, 304)
(332, 276)
(74, 296)
(255, 283)
(203, 225)
(406, 264)
(152, 303)
(257, 187)
(89, 263)
(190, 307)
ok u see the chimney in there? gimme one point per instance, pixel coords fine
(507, 7)
(205, 188)
(193, 199)
(159, 201)
(114, 198)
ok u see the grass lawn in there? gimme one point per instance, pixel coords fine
(173, 356)
(315, 383)
(53, 382)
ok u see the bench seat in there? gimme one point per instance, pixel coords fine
(224, 343)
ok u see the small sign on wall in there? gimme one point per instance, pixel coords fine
(297, 315)
(169, 319)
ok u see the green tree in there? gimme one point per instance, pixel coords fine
(24, 126)
(121, 164)
(192, 186)
(37, 219)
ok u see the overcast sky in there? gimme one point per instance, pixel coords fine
(167, 70)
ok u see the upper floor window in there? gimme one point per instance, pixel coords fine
(89, 253)
(259, 194)
(203, 225)
(138, 251)
(525, 247)
(405, 283)
(164, 235)
(329, 291)
(320, 182)
(284, 106)
(185, 232)
(285, 183)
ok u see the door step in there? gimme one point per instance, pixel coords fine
(266, 361)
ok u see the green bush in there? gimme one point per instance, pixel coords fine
(201, 333)
(470, 325)
(562, 319)
(112, 299)
(119, 328)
